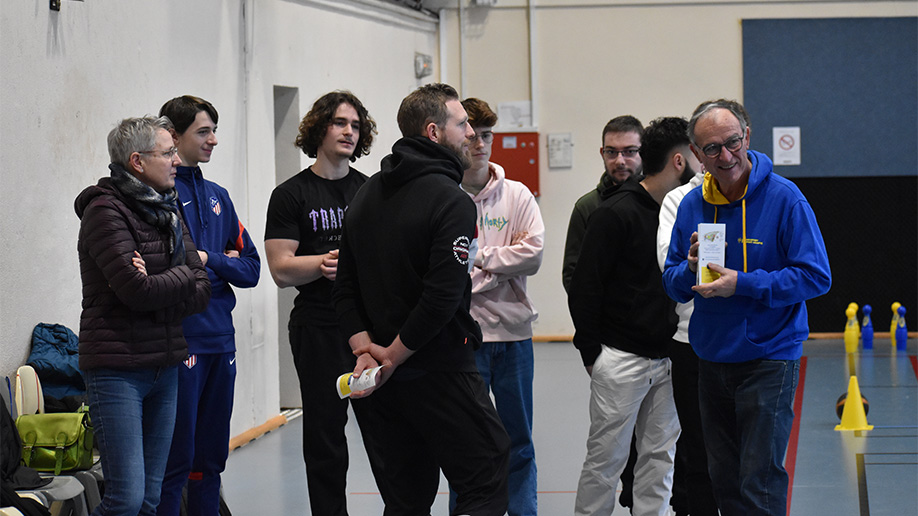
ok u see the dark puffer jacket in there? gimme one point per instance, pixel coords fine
(129, 320)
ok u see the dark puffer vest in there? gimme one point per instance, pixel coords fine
(129, 320)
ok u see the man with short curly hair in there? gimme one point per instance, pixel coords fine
(305, 216)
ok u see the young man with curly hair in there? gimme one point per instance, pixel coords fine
(305, 216)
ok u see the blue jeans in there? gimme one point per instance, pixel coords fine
(507, 369)
(747, 410)
(133, 415)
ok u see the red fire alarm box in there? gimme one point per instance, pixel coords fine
(518, 153)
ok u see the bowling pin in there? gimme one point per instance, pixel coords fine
(851, 330)
(867, 329)
(901, 330)
(854, 305)
(894, 323)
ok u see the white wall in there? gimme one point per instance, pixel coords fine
(597, 59)
(66, 77)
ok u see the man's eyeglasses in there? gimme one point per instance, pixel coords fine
(611, 153)
(485, 136)
(169, 154)
(713, 150)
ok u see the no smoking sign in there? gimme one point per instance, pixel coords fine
(786, 145)
(786, 142)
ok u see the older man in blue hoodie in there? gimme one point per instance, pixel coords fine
(749, 324)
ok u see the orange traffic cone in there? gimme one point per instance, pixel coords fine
(853, 415)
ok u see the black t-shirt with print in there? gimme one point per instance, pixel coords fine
(310, 209)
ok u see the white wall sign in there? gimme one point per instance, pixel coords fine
(514, 114)
(560, 151)
(786, 145)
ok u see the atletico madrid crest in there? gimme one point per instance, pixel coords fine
(191, 361)
(215, 205)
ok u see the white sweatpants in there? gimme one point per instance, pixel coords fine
(630, 395)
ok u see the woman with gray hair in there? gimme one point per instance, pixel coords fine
(141, 276)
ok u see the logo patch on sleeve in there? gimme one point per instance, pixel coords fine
(461, 249)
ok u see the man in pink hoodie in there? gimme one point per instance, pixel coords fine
(510, 237)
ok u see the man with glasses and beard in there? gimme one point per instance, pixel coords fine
(621, 144)
(620, 151)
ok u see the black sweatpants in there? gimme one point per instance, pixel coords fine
(321, 354)
(441, 420)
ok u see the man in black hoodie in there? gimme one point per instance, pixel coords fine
(402, 295)
(625, 322)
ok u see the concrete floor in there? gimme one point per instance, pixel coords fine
(856, 473)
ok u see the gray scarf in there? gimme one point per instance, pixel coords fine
(158, 210)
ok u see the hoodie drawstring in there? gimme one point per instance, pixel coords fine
(745, 255)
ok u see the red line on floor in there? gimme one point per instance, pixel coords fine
(914, 360)
(446, 493)
(790, 461)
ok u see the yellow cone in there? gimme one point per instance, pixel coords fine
(853, 416)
